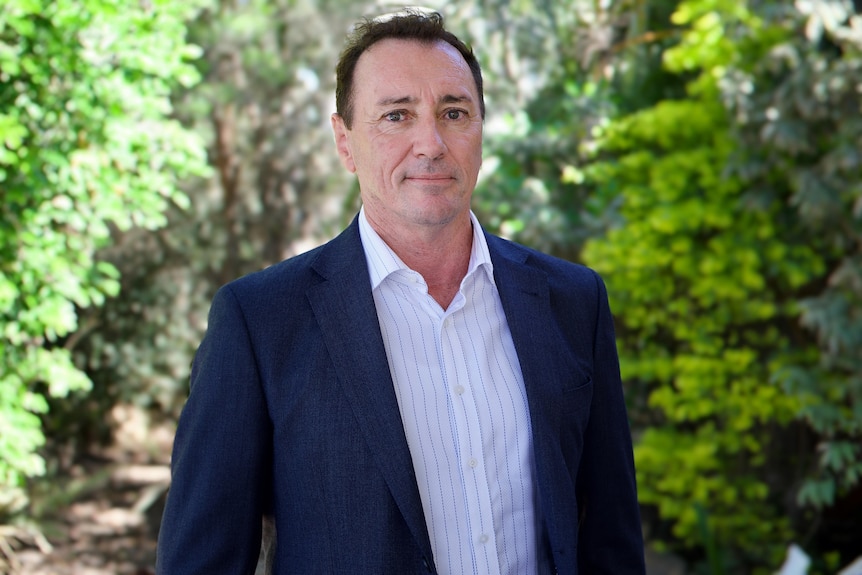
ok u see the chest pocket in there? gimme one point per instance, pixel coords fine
(576, 399)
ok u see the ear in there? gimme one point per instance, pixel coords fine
(342, 143)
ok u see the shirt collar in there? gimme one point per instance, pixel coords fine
(382, 261)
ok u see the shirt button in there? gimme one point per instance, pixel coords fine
(459, 389)
(483, 538)
(472, 462)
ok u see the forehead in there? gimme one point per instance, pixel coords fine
(394, 65)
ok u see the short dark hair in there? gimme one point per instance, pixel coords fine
(424, 27)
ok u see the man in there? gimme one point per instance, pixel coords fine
(415, 396)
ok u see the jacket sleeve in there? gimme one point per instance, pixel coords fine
(221, 460)
(610, 539)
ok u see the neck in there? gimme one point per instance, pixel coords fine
(441, 254)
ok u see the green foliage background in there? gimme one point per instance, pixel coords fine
(722, 265)
(704, 155)
(87, 147)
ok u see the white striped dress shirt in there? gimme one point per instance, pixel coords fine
(464, 410)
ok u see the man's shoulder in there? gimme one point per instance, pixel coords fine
(304, 269)
(553, 266)
(291, 270)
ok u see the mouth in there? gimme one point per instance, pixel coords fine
(430, 178)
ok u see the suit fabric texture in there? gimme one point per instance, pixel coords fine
(292, 414)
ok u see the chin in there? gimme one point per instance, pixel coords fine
(437, 216)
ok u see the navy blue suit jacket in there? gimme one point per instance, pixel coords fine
(292, 412)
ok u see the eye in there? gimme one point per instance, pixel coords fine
(397, 116)
(455, 114)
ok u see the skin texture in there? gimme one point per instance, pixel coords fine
(416, 148)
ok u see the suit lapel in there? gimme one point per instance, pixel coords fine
(344, 308)
(525, 295)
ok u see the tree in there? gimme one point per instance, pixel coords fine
(275, 188)
(796, 116)
(87, 147)
(576, 64)
(721, 266)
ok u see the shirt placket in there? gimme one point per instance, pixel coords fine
(464, 419)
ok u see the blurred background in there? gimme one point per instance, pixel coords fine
(705, 156)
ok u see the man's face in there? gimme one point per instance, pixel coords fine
(416, 140)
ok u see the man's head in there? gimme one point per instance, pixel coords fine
(410, 123)
(417, 26)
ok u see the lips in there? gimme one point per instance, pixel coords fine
(430, 177)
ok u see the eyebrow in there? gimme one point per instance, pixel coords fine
(447, 99)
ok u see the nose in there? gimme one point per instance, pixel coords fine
(428, 141)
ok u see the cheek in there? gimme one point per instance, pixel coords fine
(379, 170)
(470, 144)
(471, 152)
(387, 160)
